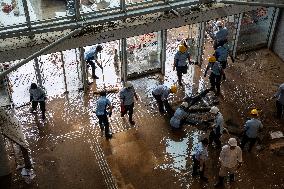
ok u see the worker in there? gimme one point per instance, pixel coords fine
(251, 130)
(221, 36)
(37, 95)
(217, 128)
(92, 55)
(181, 60)
(127, 95)
(280, 101)
(179, 117)
(231, 160)
(103, 104)
(199, 157)
(215, 75)
(221, 54)
(161, 94)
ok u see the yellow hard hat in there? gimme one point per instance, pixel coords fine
(254, 112)
(212, 59)
(182, 48)
(174, 89)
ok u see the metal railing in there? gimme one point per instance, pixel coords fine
(30, 28)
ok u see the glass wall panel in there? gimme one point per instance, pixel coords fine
(143, 53)
(20, 82)
(90, 6)
(255, 28)
(72, 70)
(46, 9)
(12, 12)
(52, 73)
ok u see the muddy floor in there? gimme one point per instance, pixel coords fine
(69, 151)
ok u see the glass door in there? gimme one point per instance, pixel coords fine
(143, 54)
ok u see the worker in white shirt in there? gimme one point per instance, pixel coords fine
(231, 160)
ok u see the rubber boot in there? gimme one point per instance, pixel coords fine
(220, 182)
(232, 178)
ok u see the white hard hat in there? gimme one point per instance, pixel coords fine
(232, 142)
(219, 23)
(128, 84)
(184, 104)
(214, 110)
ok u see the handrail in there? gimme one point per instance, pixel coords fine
(252, 3)
(99, 18)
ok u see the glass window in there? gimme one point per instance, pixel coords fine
(12, 12)
(91, 6)
(255, 28)
(20, 82)
(143, 53)
(43, 9)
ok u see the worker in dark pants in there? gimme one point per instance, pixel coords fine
(231, 160)
(280, 101)
(37, 96)
(101, 112)
(91, 56)
(181, 61)
(161, 94)
(221, 54)
(199, 157)
(251, 130)
(218, 127)
(127, 95)
(215, 75)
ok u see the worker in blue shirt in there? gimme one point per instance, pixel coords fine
(127, 95)
(101, 112)
(179, 117)
(199, 157)
(216, 74)
(91, 56)
(221, 36)
(161, 94)
(221, 54)
(181, 60)
(251, 130)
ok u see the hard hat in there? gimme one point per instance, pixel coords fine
(184, 104)
(212, 59)
(174, 89)
(232, 142)
(214, 110)
(128, 84)
(182, 48)
(219, 24)
(254, 112)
